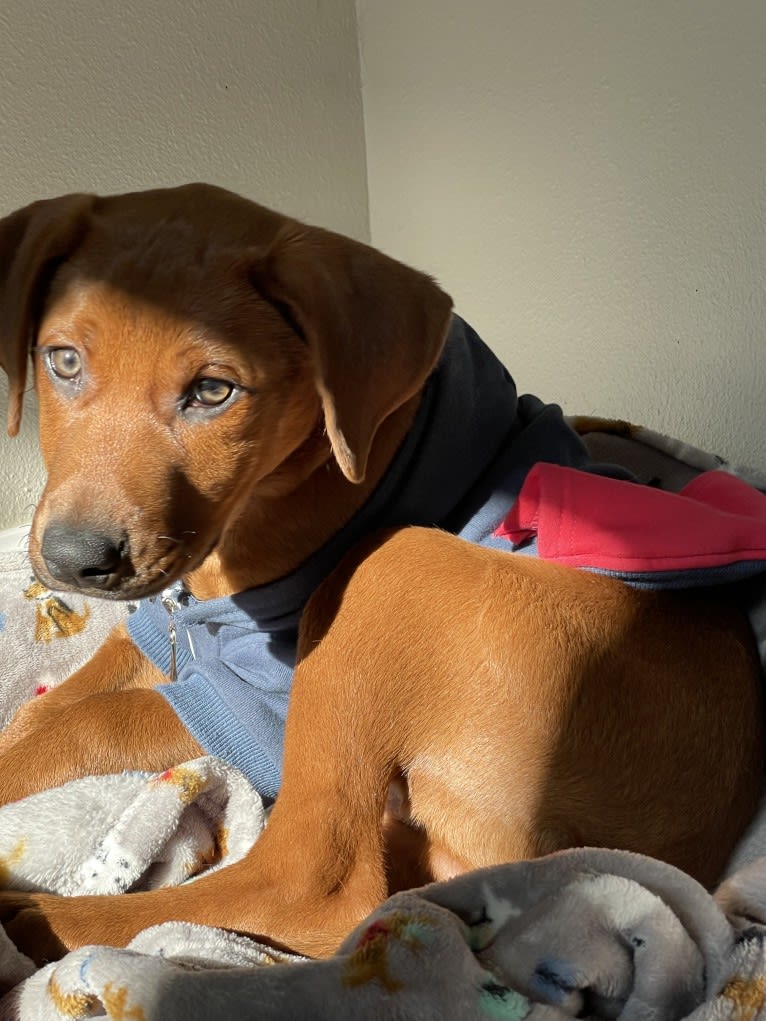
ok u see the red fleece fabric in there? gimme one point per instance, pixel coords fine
(587, 520)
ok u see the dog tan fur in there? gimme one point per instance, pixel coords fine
(541, 707)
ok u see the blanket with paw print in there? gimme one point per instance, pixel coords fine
(596, 933)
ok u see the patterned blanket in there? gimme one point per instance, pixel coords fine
(596, 933)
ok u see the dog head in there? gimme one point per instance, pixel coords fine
(194, 352)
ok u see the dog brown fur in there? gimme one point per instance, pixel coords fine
(541, 707)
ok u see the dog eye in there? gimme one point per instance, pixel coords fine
(64, 362)
(210, 393)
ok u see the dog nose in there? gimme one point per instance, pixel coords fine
(82, 557)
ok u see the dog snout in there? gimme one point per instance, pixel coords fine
(85, 558)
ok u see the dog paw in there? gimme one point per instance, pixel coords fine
(29, 923)
(45, 926)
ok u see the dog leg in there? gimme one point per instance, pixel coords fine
(279, 894)
(315, 872)
(116, 666)
(99, 733)
(304, 885)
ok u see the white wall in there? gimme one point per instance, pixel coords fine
(110, 95)
(588, 179)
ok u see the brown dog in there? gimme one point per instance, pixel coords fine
(222, 390)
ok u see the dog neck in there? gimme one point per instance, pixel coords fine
(283, 525)
(427, 457)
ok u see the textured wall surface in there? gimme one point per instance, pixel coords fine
(101, 95)
(586, 179)
(589, 181)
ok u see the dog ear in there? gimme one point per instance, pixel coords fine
(375, 329)
(30, 240)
